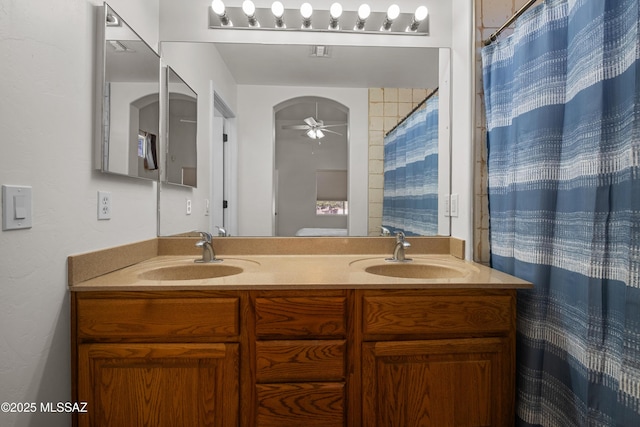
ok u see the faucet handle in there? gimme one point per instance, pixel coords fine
(221, 231)
(400, 236)
(206, 237)
(384, 231)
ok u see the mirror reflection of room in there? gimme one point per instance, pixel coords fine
(130, 101)
(311, 141)
(364, 79)
(182, 128)
(410, 203)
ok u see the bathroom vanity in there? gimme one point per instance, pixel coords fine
(308, 335)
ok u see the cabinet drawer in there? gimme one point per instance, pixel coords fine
(157, 318)
(300, 317)
(304, 404)
(437, 314)
(282, 361)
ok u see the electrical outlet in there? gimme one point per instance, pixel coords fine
(104, 205)
(207, 207)
(188, 206)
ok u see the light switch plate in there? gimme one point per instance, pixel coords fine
(446, 202)
(454, 205)
(16, 207)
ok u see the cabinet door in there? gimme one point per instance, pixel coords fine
(159, 385)
(440, 383)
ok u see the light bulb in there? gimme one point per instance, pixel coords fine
(248, 7)
(334, 16)
(419, 16)
(393, 12)
(277, 9)
(421, 13)
(306, 10)
(335, 10)
(364, 11)
(218, 7)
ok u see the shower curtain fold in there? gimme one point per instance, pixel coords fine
(410, 202)
(562, 97)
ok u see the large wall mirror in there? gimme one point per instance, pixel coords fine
(267, 75)
(127, 100)
(182, 127)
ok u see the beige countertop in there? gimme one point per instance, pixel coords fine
(316, 271)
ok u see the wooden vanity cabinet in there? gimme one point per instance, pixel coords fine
(433, 358)
(156, 358)
(325, 358)
(301, 355)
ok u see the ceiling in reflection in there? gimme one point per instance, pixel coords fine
(346, 66)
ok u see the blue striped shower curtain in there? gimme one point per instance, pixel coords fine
(562, 98)
(410, 202)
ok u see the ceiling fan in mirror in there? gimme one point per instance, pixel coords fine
(315, 128)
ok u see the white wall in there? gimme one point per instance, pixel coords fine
(462, 126)
(46, 141)
(256, 153)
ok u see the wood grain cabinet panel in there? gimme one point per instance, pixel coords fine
(300, 405)
(438, 383)
(300, 317)
(158, 385)
(164, 318)
(437, 315)
(295, 358)
(304, 360)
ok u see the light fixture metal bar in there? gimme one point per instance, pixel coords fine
(320, 20)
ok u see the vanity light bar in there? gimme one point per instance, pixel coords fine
(364, 20)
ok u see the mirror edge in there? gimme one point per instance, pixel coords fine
(100, 64)
(444, 139)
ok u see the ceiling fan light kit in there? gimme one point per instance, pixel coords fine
(390, 20)
(315, 128)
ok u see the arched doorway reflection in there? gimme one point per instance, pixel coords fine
(311, 167)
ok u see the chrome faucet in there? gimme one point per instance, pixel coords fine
(208, 254)
(398, 251)
(221, 231)
(384, 231)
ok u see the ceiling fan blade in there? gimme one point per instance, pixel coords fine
(330, 131)
(332, 126)
(299, 127)
(311, 121)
